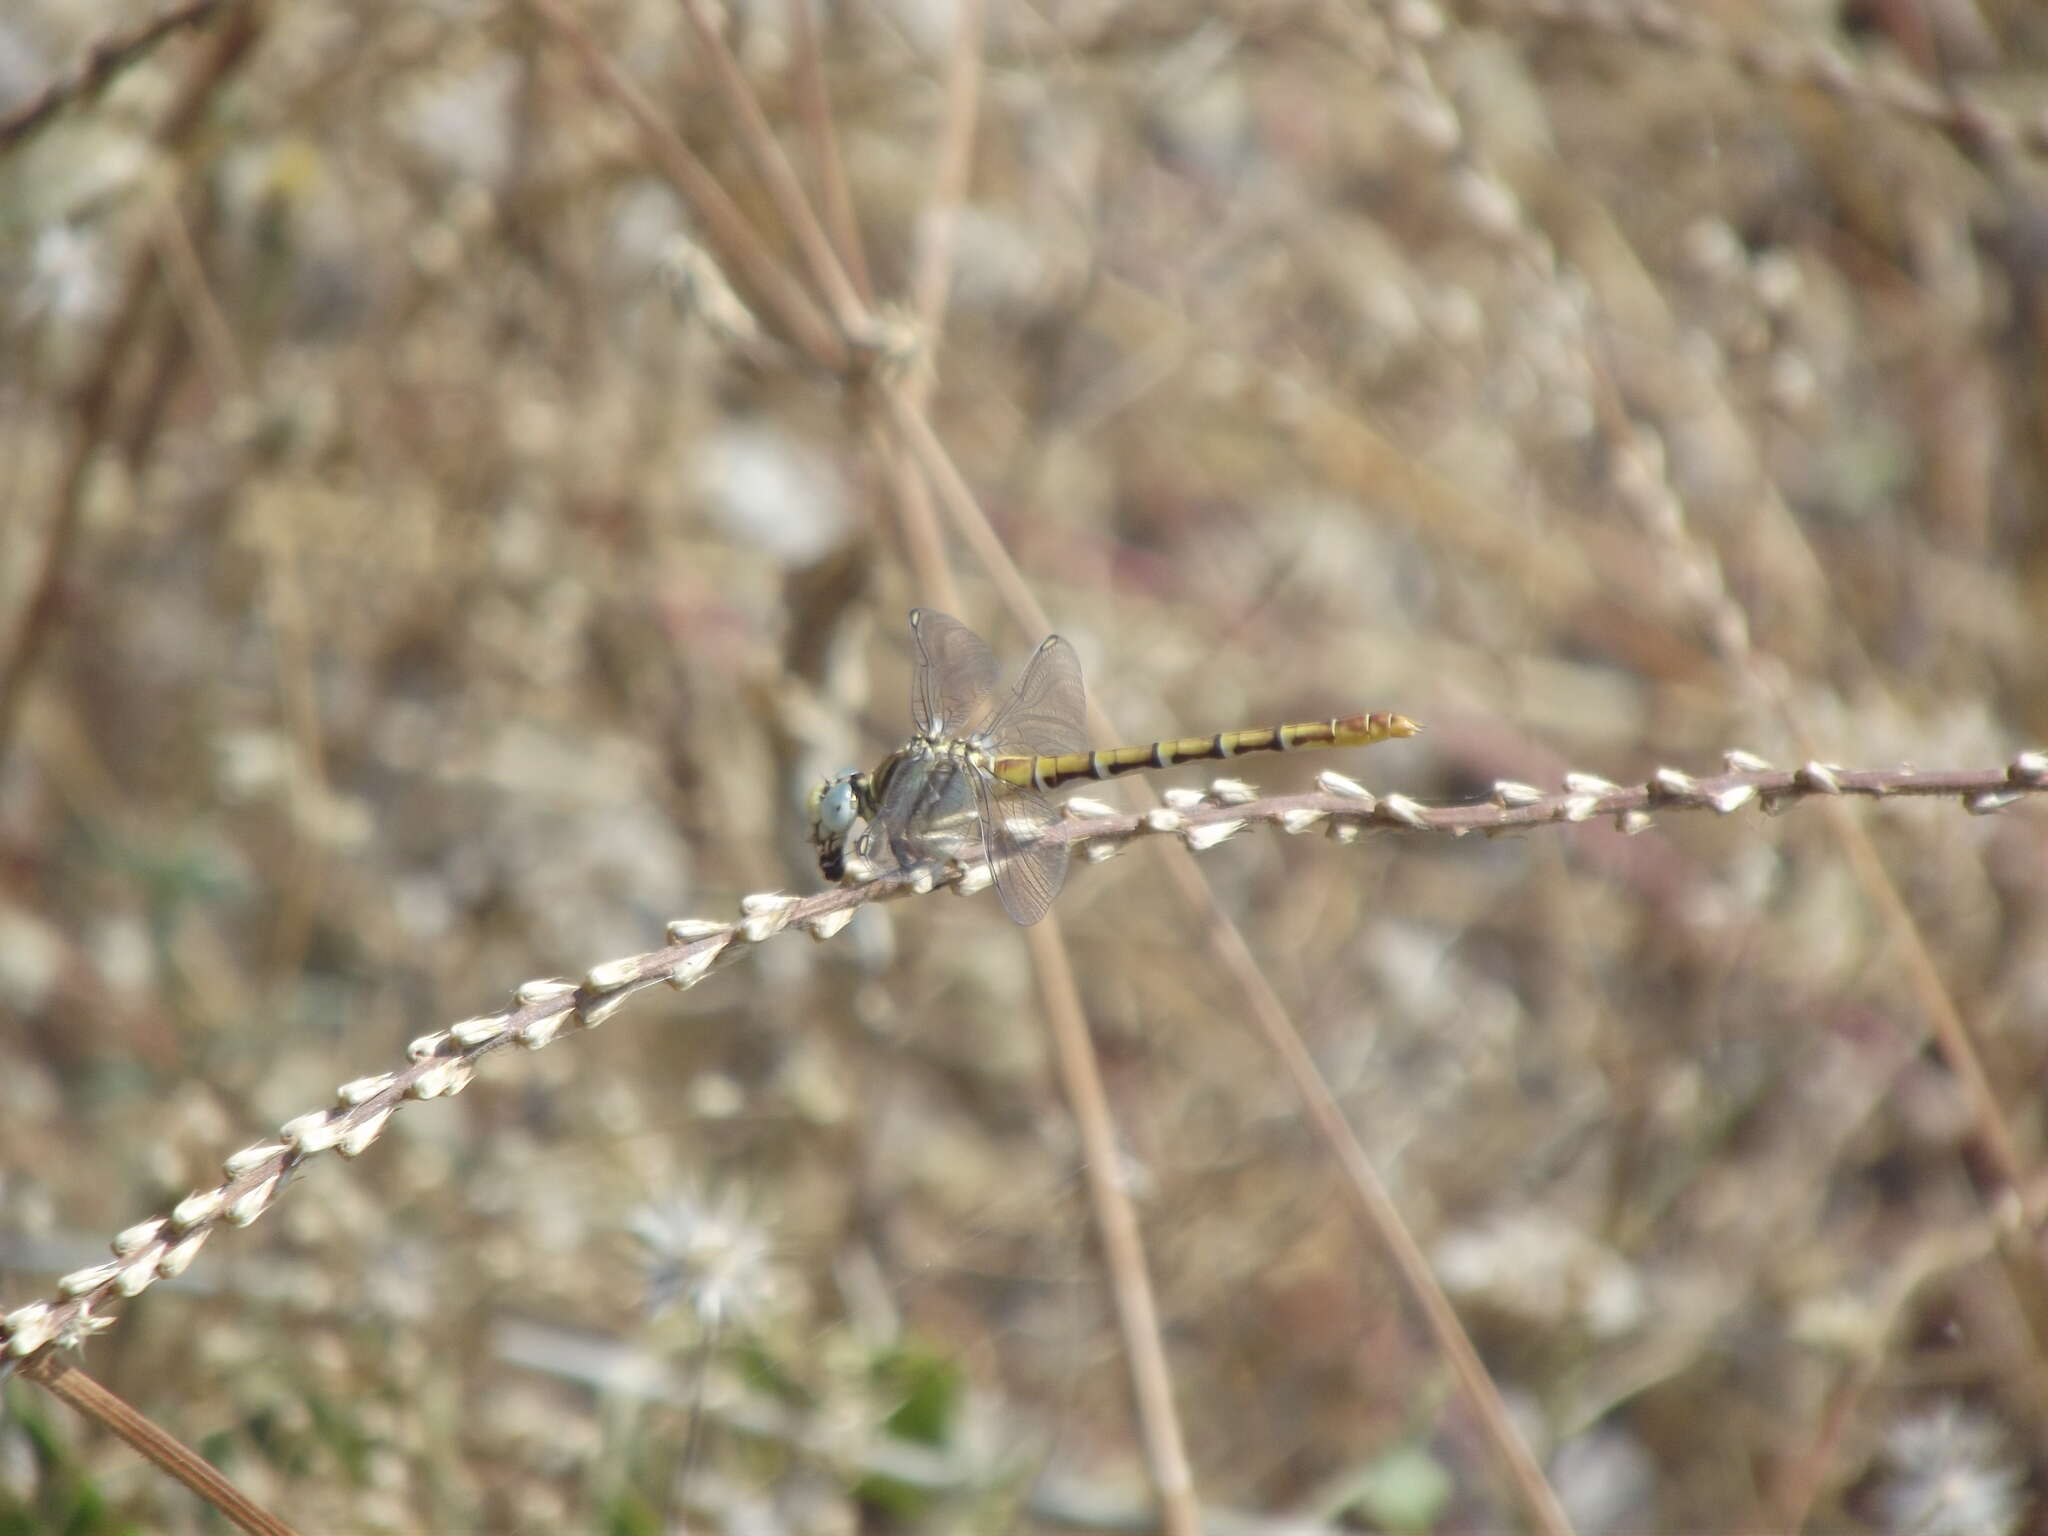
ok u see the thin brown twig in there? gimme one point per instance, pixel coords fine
(741, 250)
(930, 282)
(924, 547)
(1380, 1219)
(93, 403)
(444, 1062)
(1166, 1453)
(914, 430)
(92, 406)
(198, 310)
(1981, 130)
(757, 138)
(1799, 1482)
(926, 553)
(931, 279)
(1379, 1216)
(214, 340)
(1130, 1284)
(1989, 138)
(931, 273)
(1729, 620)
(104, 58)
(164, 1451)
(814, 109)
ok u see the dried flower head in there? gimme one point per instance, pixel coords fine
(1952, 1473)
(705, 1253)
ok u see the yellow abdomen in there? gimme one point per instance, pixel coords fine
(1051, 772)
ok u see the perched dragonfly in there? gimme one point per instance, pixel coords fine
(972, 782)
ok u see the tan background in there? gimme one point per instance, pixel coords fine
(447, 611)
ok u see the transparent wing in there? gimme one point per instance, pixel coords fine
(1047, 713)
(1029, 868)
(927, 812)
(955, 674)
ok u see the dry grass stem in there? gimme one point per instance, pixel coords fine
(444, 1063)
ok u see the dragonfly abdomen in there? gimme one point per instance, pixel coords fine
(1051, 772)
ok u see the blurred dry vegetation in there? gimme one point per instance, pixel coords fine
(446, 610)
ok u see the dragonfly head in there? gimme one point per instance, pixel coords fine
(835, 805)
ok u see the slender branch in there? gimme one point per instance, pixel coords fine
(757, 138)
(162, 1450)
(104, 58)
(93, 403)
(932, 273)
(741, 250)
(814, 108)
(1977, 128)
(444, 1062)
(1166, 1453)
(1166, 1456)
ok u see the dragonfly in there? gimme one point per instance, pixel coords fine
(972, 783)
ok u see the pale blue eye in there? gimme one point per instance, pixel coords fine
(837, 807)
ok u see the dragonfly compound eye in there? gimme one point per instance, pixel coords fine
(834, 805)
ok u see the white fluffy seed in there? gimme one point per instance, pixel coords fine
(1987, 801)
(596, 1010)
(1342, 785)
(1677, 785)
(611, 974)
(80, 1281)
(129, 1239)
(362, 1089)
(179, 1256)
(140, 1273)
(687, 930)
(243, 1161)
(541, 990)
(253, 1204)
(474, 1032)
(1820, 777)
(826, 924)
(1206, 835)
(194, 1209)
(689, 970)
(315, 1132)
(29, 1328)
(1409, 813)
(541, 1031)
(1733, 798)
(364, 1132)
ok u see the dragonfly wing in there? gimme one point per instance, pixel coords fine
(956, 672)
(926, 812)
(1028, 866)
(1046, 715)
